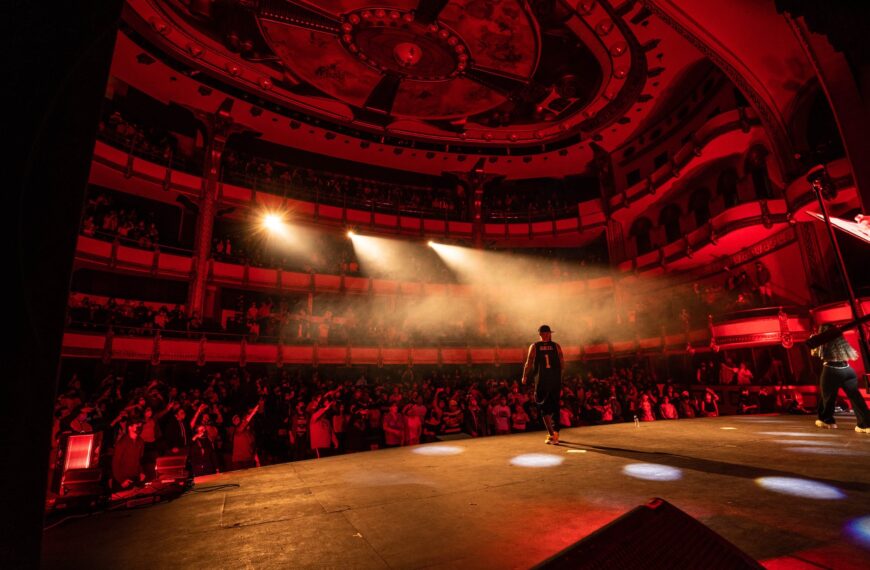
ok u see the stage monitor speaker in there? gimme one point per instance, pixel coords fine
(655, 535)
(76, 452)
(172, 469)
(76, 482)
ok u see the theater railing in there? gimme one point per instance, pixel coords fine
(721, 234)
(118, 169)
(177, 263)
(766, 327)
(223, 347)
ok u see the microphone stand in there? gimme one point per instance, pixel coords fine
(818, 179)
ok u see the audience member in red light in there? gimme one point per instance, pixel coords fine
(414, 413)
(645, 409)
(394, 427)
(519, 419)
(323, 440)
(745, 405)
(176, 434)
(127, 458)
(501, 415)
(475, 420)
(298, 432)
(667, 409)
(451, 422)
(686, 407)
(744, 374)
(81, 423)
(432, 424)
(203, 458)
(149, 435)
(244, 451)
(709, 407)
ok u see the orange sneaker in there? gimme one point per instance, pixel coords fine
(549, 440)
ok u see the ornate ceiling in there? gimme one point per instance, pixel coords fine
(500, 77)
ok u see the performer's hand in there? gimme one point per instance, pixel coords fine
(523, 380)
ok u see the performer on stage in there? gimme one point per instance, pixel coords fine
(836, 374)
(544, 362)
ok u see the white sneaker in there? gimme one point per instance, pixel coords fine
(823, 425)
(862, 430)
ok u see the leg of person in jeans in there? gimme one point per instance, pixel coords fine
(850, 386)
(829, 384)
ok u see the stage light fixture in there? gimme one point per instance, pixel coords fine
(351, 234)
(273, 222)
(430, 243)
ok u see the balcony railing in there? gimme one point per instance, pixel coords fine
(177, 263)
(777, 326)
(151, 176)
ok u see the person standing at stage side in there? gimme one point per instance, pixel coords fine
(836, 374)
(544, 363)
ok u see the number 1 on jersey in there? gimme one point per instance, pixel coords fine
(547, 360)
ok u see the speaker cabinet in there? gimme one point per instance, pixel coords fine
(655, 535)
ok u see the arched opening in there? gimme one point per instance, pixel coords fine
(669, 218)
(726, 187)
(640, 230)
(756, 168)
(814, 128)
(823, 136)
(699, 204)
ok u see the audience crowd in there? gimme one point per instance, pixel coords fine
(687, 306)
(238, 418)
(103, 218)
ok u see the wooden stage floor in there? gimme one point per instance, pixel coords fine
(787, 493)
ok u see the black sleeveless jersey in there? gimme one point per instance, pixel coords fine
(548, 366)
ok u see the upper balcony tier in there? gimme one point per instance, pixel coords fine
(121, 167)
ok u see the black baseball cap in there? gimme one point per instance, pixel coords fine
(544, 329)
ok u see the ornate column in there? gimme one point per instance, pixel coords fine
(217, 128)
(475, 182)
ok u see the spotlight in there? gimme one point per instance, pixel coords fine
(652, 472)
(273, 222)
(351, 234)
(796, 487)
(430, 243)
(537, 460)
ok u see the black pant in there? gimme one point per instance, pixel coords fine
(834, 378)
(547, 396)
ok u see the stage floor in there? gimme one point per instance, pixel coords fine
(787, 493)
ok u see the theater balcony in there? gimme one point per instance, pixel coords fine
(175, 263)
(121, 170)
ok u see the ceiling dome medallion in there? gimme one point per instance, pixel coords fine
(408, 54)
